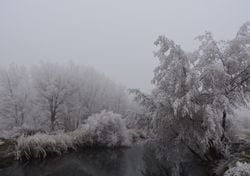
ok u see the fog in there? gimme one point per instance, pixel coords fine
(114, 36)
(125, 87)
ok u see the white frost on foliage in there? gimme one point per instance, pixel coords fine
(195, 93)
(38, 145)
(241, 169)
(108, 129)
(53, 96)
(105, 129)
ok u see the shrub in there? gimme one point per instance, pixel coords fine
(39, 145)
(241, 169)
(108, 129)
(105, 129)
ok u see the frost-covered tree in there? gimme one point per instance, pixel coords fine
(69, 94)
(195, 91)
(224, 71)
(53, 86)
(97, 92)
(56, 96)
(15, 104)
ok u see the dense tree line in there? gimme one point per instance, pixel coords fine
(53, 96)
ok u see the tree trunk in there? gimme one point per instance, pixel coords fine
(52, 121)
(224, 120)
(223, 124)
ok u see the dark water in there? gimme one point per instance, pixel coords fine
(98, 162)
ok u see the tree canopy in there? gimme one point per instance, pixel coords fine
(195, 91)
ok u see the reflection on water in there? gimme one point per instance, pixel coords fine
(176, 166)
(135, 161)
(90, 162)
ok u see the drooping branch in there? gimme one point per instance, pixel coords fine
(143, 99)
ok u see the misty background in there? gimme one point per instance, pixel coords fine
(76, 75)
(113, 36)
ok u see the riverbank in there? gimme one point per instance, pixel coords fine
(40, 145)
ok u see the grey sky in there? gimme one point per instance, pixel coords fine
(114, 36)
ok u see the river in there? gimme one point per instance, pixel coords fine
(97, 162)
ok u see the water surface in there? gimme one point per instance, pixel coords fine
(134, 161)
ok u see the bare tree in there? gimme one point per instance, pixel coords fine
(53, 87)
(14, 95)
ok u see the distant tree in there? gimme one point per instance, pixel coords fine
(56, 96)
(69, 94)
(53, 87)
(14, 95)
(194, 92)
(97, 92)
